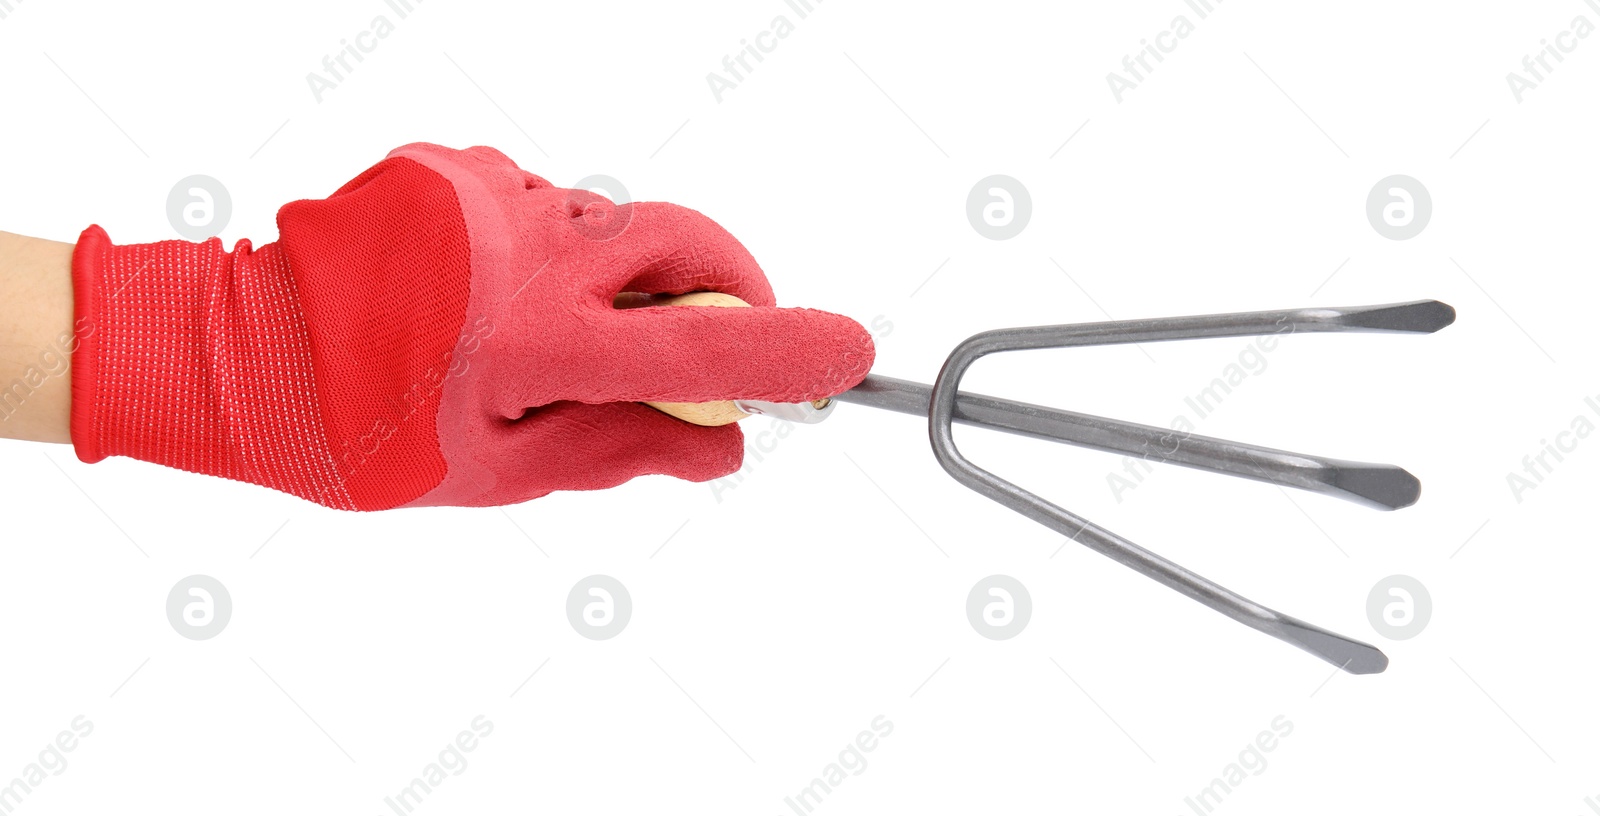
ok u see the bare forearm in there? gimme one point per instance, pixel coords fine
(36, 338)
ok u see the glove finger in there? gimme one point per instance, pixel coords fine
(579, 446)
(667, 249)
(705, 353)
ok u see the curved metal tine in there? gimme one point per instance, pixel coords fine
(1385, 487)
(1414, 317)
(1350, 655)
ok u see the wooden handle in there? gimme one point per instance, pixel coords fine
(723, 412)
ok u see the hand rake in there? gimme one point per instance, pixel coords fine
(1384, 487)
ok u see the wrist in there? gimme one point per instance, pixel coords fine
(199, 359)
(142, 385)
(36, 338)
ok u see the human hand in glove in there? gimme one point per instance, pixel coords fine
(439, 331)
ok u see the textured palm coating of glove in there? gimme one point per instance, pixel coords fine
(439, 331)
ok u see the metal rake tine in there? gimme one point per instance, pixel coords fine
(1386, 487)
(1348, 654)
(1414, 317)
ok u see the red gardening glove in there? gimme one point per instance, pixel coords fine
(440, 331)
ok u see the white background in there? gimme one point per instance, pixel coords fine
(775, 620)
